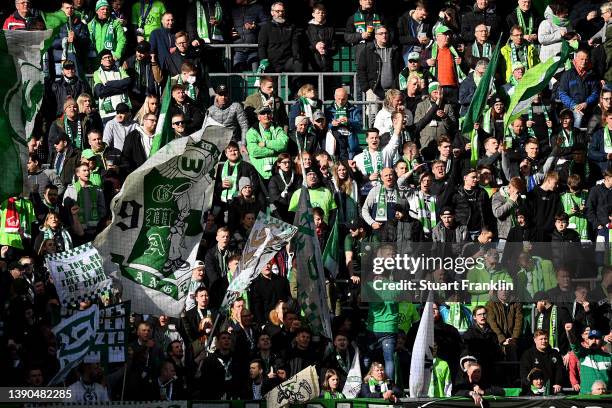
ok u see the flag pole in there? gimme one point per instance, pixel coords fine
(125, 368)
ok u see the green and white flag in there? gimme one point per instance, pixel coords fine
(78, 274)
(110, 345)
(75, 336)
(21, 87)
(267, 237)
(309, 269)
(332, 251)
(352, 386)
(157, 222)
(163, 132)
(301, 388)
(533, 82)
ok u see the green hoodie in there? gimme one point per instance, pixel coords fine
(98, 33)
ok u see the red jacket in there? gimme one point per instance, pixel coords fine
(14, 22)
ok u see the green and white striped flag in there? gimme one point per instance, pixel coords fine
(533, 82)
(163, 131)
(332, 250)
(21, 87)
(310, 275)
(75, 337)
(157, 222)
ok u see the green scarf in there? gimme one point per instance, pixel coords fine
(381, 205)
(229, 193)
(546, 118)
(560, 22)
(77, 140)
(568, 138)
(95, 178)
(93, 199)
(434, 55)
(426, 211)
(48, 233)
(372, 383)
(109, 36)
(456, 316)
(518, 54)
(360, 23)
(202, 21)
(487, 52)
(341, 111)
(552, 327)
(333, 395)
(367, 161)
(527, 29)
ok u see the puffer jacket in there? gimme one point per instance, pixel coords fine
(550, 36)
(471, 19)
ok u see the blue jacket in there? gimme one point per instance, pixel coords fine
(597, 151)
(253, 12)
(574, 90)
(353, 113)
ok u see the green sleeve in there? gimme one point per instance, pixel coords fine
(96, 78)
(123, 73)
(253, 147)
(280, 141)
(579, 350)
(348, 243)
(136, 14)
(121, 40)
(330, 197)
(295, 199)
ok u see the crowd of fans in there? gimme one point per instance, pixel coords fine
(545, 178)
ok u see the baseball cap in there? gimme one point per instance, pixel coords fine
(88, 154)
(442, 29)
(198, 264)
(448, 211)
(595, 334)
(355, 224)
(263, 110)
(414, 56)
(104, 53)
(317, 115)
(221, 90)
(68, 64)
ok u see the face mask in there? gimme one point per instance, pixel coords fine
(191, 79)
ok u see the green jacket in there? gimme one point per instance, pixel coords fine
(594, 365)
(98, 31)
(506, 53)
(27, 217)
(153, 20)
(526, 286)
(264, 158)
(383, 317)
(441, 384)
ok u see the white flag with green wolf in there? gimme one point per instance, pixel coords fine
(299, 389)
(157, 222)
(21, 90)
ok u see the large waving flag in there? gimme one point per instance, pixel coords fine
(157, 222)
(533, 82)
(267, 237)
(310, 273)
(422, 354)
(21, 87)
(163, 131)
(479, 102)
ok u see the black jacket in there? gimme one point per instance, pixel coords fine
(62, 88)
(407, 30)
(473, 210)
(353, 38)
(193, 115)
(369, 69)
(245, 169)
(483, 344)
(598, 205)
(320, 33)
(264, 293)
(476, 16)
(191, 322)
(133, 154)
(252, 12)
(278, 43)
(549, 361)
(543, 206)
(172, 63)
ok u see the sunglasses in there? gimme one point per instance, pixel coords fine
(178, 123)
